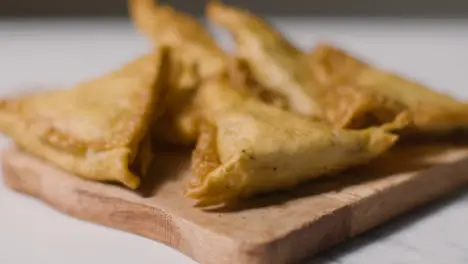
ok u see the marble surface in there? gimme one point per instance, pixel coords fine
(42, 54)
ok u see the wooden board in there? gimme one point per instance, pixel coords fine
(280, 228)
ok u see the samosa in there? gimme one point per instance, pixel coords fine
(247, 147)
(430, 112)
(278, 65)
(196, 56)
(183, 33)
(98, 129)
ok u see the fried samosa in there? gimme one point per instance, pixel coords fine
(196, 57)
(183, 33)
(97, 129)
(247, 147)
(430, 112)
(279, 66)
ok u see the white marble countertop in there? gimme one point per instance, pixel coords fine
(60, 53)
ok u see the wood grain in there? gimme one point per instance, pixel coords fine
(286, 227)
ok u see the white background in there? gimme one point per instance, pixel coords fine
(58, 54)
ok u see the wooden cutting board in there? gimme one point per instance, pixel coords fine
(282, 228)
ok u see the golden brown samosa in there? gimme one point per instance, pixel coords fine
(278, 65)
(183, 33)
(430, 112)
(248, 147)
(196, 56)
(97, 129)
(273, 61)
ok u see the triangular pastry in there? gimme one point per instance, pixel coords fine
(97, 129)
(196, 56)
(277, 65)
(430, 112)
(247, 147)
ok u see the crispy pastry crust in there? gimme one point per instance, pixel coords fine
(249, 147)
(96, 129)
(430, 112)
(280, 67)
